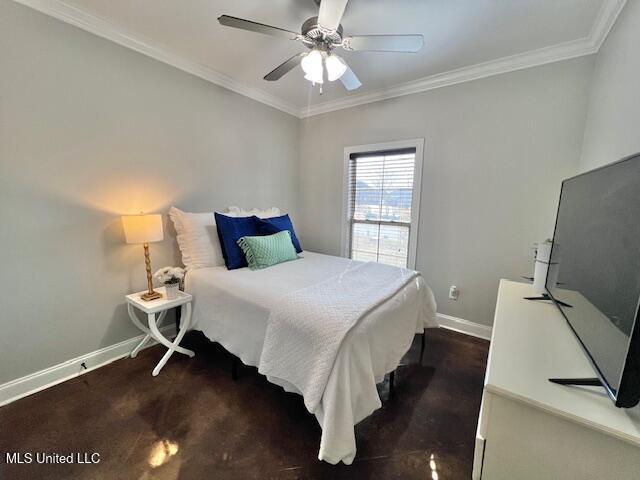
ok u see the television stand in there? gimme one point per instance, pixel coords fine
(590, 382)
(530, 428)
(545, 296)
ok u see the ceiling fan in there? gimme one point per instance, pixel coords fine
(321, 35)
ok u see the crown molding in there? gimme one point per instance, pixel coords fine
(105, 29)
(564, 51)
(604, 22)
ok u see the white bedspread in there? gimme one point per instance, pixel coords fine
(307, 327)
(233, 308)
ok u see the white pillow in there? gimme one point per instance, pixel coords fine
(197, 239)
(241, 212)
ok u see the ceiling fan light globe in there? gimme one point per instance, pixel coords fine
(312, 63)
(335, 66)
(315, 79)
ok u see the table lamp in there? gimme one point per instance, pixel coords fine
(144, 229)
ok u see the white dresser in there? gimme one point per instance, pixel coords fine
(530, 428)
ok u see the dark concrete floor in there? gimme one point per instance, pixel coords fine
(193, 421)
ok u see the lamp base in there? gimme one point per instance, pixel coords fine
(150, 296)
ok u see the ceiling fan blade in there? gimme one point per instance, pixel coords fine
(330, 14)
(349, 80)
(242, 24)
(278, 72)
(384, 43)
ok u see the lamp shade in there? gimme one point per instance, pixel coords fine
(142, 228)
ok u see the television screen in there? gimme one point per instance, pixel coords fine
(595, 270)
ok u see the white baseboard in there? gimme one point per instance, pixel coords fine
(464, 326)
(37, 381)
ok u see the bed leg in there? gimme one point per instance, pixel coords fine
(392, 382)
(234, 369)
(422, 341)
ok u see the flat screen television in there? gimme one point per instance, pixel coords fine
(594, 272)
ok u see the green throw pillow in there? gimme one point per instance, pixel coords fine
(267, 250)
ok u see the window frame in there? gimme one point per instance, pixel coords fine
(418, 144)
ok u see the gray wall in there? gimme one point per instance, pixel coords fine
(496, 151)
(613, 120)
(89, 131)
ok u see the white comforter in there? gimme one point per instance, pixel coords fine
(233, 308)
(306, 329)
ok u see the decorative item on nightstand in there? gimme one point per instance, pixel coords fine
(172, 278)
(144, 229)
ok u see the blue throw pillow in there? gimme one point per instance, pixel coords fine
(230, 230)
(269, 226)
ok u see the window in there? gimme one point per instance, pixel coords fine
(382, 197)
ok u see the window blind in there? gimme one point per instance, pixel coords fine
(379, 205)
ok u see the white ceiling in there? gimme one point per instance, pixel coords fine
(458, 34)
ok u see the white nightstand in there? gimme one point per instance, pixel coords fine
(156, 311)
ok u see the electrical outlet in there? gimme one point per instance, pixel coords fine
(454, 292)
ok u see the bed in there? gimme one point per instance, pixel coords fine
(234, 308)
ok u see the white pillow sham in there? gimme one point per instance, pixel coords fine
(241, 212)
(197, 238)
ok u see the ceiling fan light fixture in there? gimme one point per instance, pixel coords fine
(312, 66)
(335, 67)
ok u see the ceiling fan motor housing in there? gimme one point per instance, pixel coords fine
(316, 36)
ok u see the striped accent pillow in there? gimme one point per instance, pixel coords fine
(265, 251)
